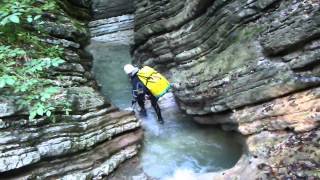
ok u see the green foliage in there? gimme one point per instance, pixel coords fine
(14, 11)
(25, 61)
(18, 15)
(27, 79)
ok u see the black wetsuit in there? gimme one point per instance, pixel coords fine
(139, 91)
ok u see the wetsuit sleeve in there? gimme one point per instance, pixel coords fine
(137, 87)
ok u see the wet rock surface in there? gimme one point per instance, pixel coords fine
(298, 112)
(131, 170)
(114, 30)
(92, 140)
(229, 48)
(179, 145)
(251, 66)
(110, 8)
(279, 155)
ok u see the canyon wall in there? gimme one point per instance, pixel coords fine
(88, 143)
(250, 65)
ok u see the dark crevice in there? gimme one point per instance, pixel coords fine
(308, 67)
(272, 7)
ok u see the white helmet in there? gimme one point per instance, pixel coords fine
(129, 69)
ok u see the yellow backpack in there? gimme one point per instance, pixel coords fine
(157, 84)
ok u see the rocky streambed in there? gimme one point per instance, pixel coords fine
(179, 144)
(248, 66)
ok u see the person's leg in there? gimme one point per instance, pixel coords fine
(155, 105)
(140, 100)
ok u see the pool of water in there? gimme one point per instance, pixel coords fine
(181, 144)
(178, 144)
(108, 70)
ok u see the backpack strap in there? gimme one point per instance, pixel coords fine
(148, 78)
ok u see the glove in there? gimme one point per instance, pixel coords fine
(147, 97)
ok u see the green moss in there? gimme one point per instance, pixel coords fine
(247, 33)
(238, 51)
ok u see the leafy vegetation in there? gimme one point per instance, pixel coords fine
(25, 60)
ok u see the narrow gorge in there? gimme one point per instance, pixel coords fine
(244, 102)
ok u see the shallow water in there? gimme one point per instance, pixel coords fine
(108, 70)
(179, 143)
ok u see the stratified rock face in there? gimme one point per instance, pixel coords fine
(26, 146)
(90, 142)
(115, 30)
(252, 66)
(231, 53)
(224, 55)
(111, 8)
(276, 155)
(299, 112)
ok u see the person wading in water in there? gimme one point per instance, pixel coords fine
(139, 91)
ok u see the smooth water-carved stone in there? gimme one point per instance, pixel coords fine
(276, 155)
(299, 112)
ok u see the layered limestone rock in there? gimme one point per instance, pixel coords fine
(112, 27)
(244, 51)
(252, 66)
(114, 30)
(111, 8)
(90, 142)
(269, 157)
(299, 112)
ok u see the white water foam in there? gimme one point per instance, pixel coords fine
(185, 174)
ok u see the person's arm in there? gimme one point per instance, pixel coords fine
(135, 89)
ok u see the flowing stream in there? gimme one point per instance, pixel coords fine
(178, 144)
